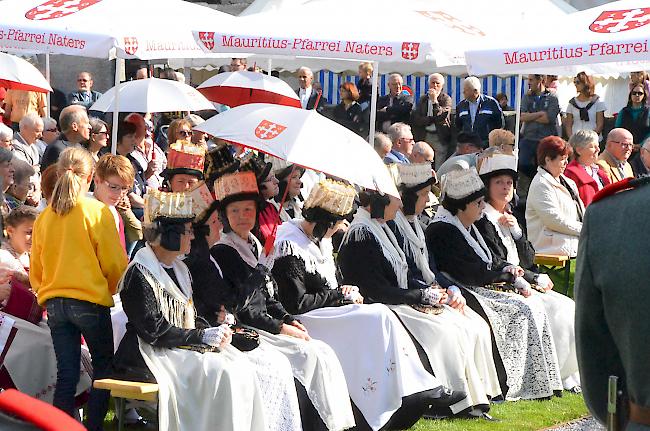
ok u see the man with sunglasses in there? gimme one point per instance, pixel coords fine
(617, 151)
(84, 96)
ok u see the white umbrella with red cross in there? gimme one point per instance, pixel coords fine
(19, 74)
(243, 87)
(306, 138)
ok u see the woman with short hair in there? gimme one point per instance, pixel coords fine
(348, 112)
(554, 210)
(588, 175)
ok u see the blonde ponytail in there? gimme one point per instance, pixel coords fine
(74, 167)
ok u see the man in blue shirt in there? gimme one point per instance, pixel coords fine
(402, 138)
(478, 113)
(84, 96)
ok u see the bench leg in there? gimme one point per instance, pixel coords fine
(567, 277)
(119, 412)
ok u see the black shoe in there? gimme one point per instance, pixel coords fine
(446, 397)
(141, 423)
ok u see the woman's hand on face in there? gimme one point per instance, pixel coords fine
(293, 331)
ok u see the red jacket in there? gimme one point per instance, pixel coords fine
(587, 186)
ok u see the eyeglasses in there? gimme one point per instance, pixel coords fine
(184, 133)
(638, 93)
(115, 188)
(407, 139)
(624, 144)
(83, 80)
(54, 130)
(100, 133)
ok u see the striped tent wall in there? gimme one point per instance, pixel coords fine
(491, 85)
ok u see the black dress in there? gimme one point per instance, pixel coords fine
(350, 117)
(147, 322)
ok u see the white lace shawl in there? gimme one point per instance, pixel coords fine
(175, 301)
(318, 259)
(415, 245)
(479, 247)
(362, 226)
(504, 233)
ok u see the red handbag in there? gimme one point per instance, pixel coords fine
(22, 303)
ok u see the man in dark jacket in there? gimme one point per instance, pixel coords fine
(611, 287)
(395, 107)
(477, 112)
(75, 130)
(431, 119)
(308, 91)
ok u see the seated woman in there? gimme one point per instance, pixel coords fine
(289, 182)
(20, 190)
(240, 256)
(184, 166)
(215, 301)
(269, 188)
(507, 241)
(368, 339)
(554, 210)
(478, 375)
(588, 175)
(371, 259)
(520, 328)
(29, 364)
(162, 344)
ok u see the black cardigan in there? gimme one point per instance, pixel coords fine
(362, 264)
(455, 257)
(262, 311)
(147, 322)
(301, 291)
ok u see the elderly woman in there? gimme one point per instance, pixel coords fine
(162, 343)
(554, 210)
(507, 240)
(6, 137)
(588, 175)
(414, 182)
(348, 112)
(306, 275)
(7, 171)
(22, 185)
(585, 111)
(241, 257)
(98, 137)
(50, 134)
(527, 363)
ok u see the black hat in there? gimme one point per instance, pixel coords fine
(220, 161)
(257, 165)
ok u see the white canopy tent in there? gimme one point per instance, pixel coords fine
(144, 29)
(605, 40)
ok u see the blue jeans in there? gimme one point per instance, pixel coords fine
(528, 157)
(68, 320)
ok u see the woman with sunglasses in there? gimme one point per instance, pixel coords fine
(635, 115)
(585, 111)
(179, 130)
(98, 137)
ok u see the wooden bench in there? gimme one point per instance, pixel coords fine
(122, 390)
(558, 263)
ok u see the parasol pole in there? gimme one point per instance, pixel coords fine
(269, 66)
(518, 110)
(373, 101)
(270, 240)
(116, 107)
(47, 76)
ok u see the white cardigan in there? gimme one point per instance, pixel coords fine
(552, 216)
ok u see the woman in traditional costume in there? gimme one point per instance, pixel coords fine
(370, 257)
(385, 377)
(241, 260)
(479, 378)
(506, 239)
(525, 354)
(216, 303)
(204, 383)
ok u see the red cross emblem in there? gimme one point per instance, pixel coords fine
(207, 38)
(410, 50)
(614, 21)
(451, 22)
(130, 45)
(58, 8)
(268, 130)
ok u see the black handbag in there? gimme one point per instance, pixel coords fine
(245, 339)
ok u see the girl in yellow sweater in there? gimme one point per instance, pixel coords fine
(76, 263)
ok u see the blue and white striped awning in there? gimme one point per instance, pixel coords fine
(491, 85)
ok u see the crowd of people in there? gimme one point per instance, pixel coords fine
(263, 295)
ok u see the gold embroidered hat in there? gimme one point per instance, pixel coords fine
(173, 207)
(332, 196)
(184, 157)
(239, 186)
(201, 198)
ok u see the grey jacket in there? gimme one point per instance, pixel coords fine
(613, 298)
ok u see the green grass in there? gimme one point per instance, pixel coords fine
(558, 279)
(515, 416)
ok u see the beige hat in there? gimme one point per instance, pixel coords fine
(414, 174)
(171, 206)
(461, 183)
(332, 196)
